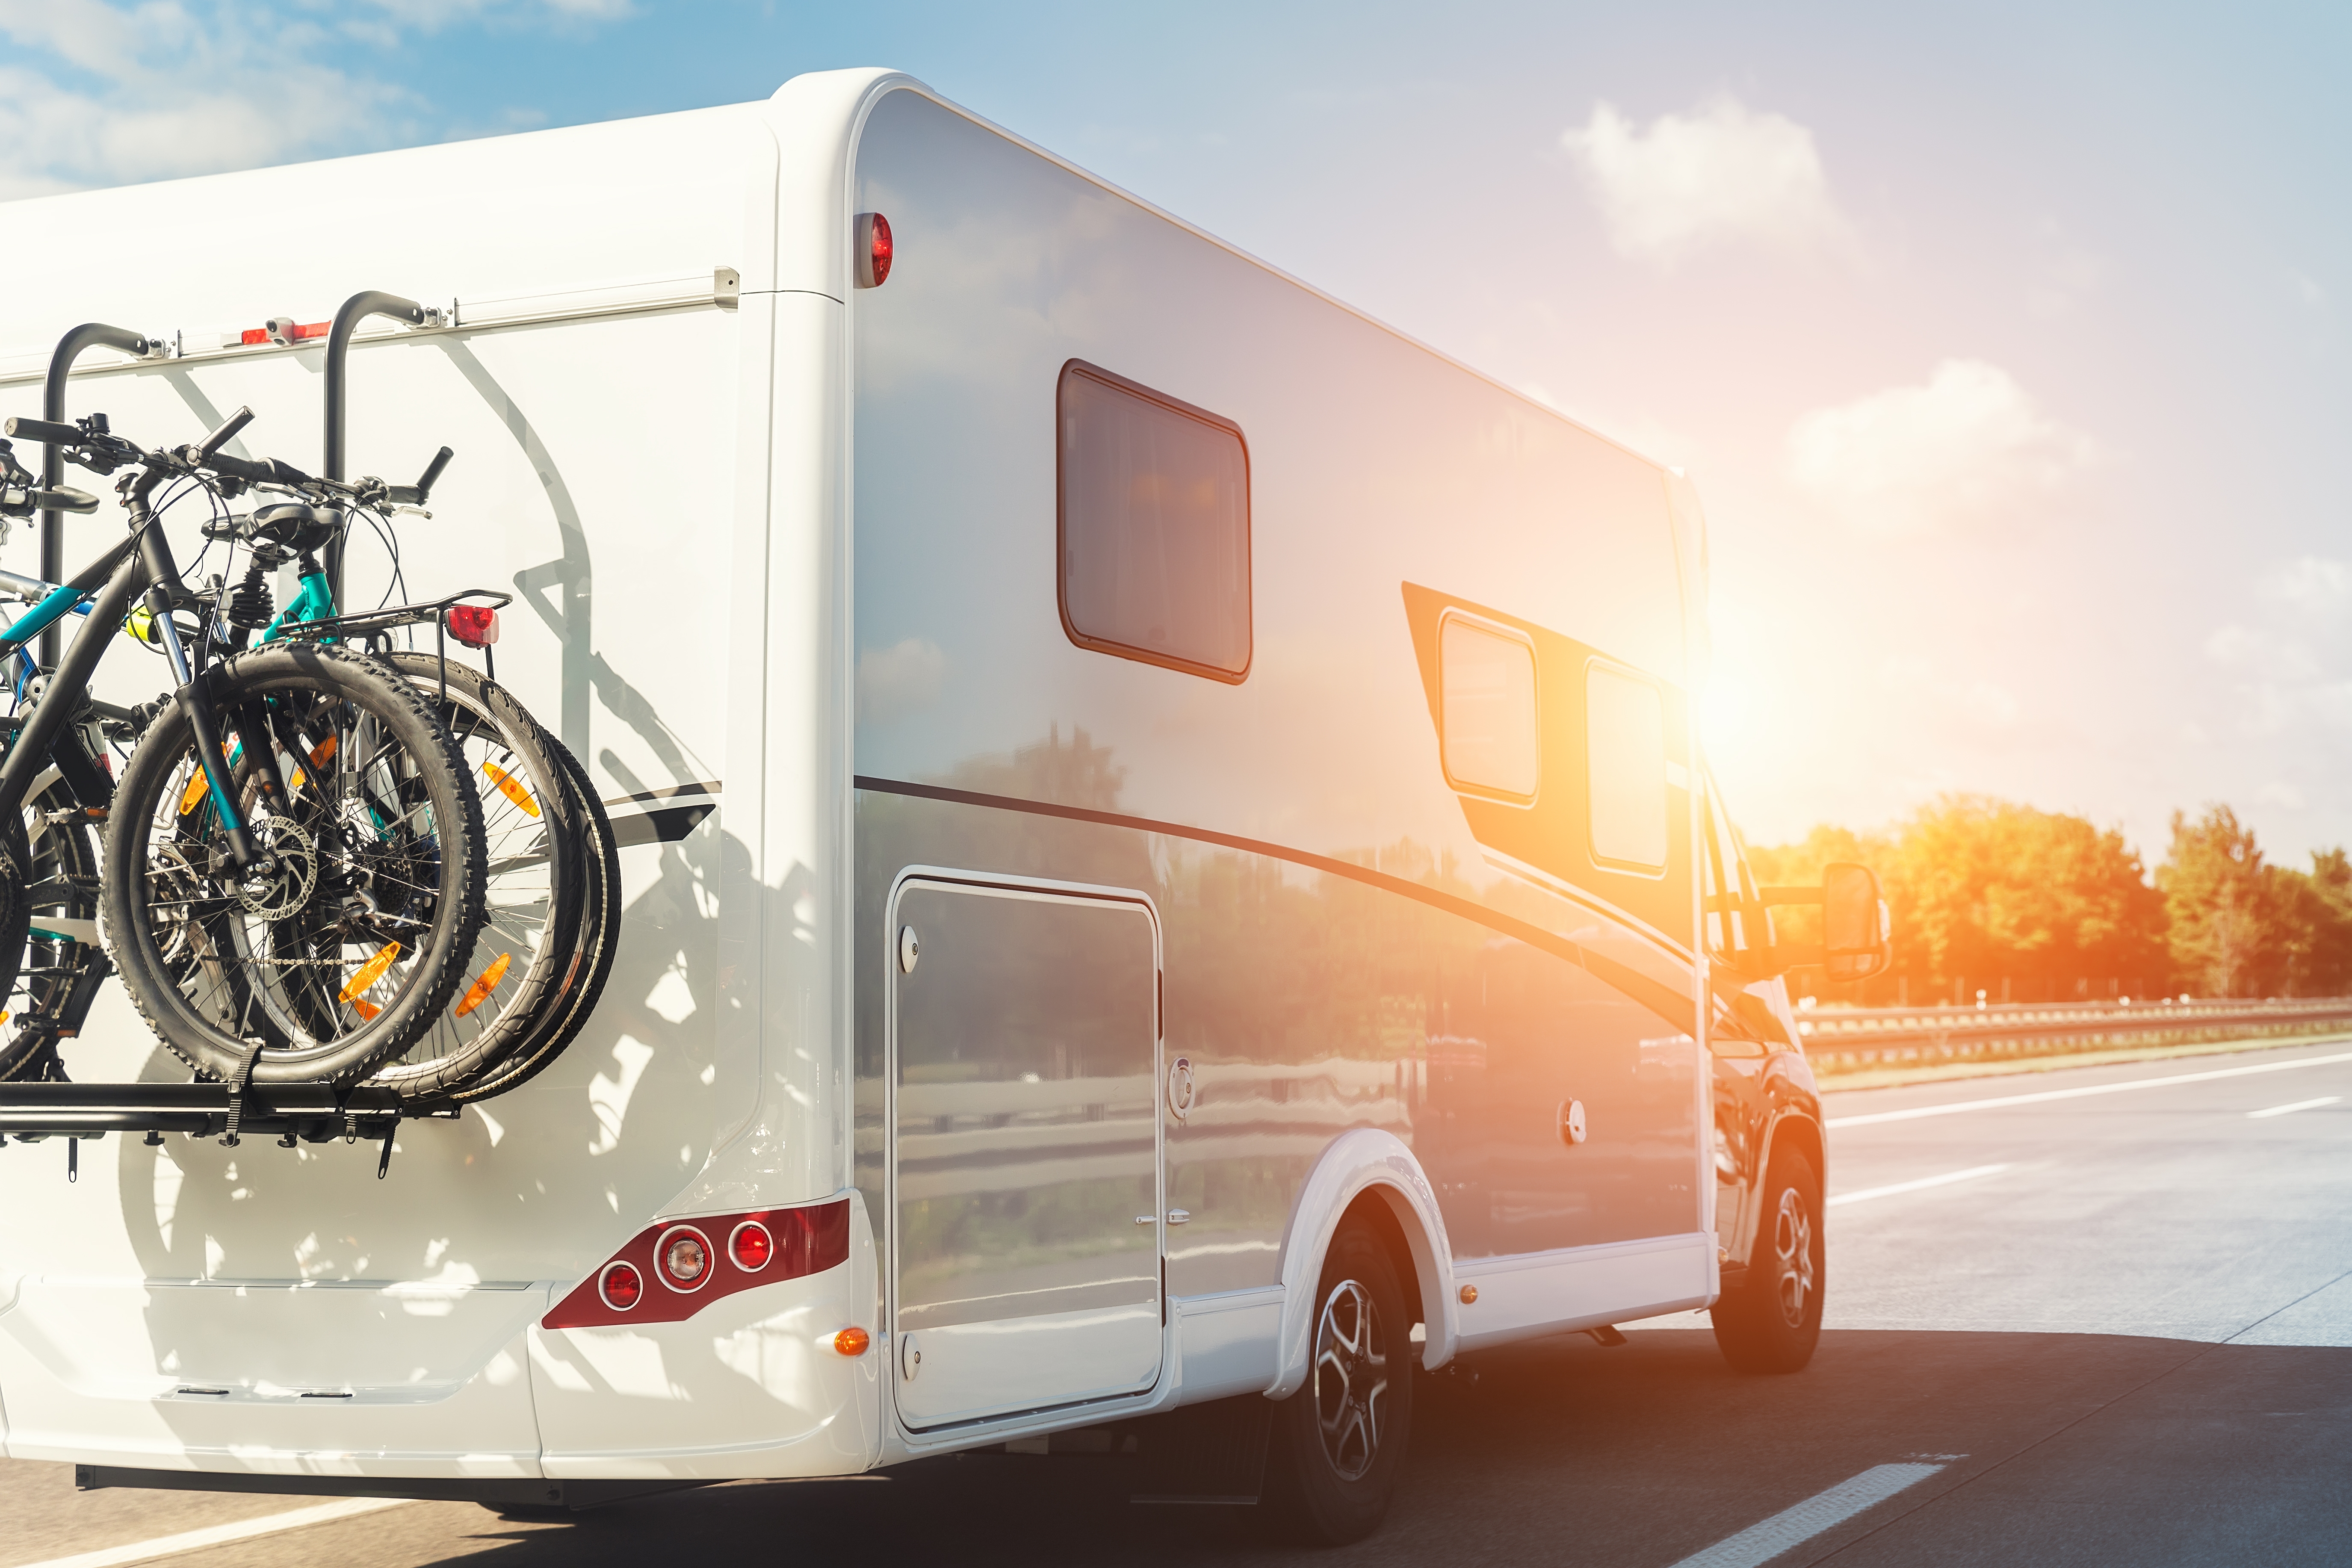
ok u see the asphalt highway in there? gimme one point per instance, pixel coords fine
(2087, 1317)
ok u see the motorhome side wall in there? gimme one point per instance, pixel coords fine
(617, 430)
(1357, 958)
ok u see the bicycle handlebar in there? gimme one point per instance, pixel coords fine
(30, 430)
(224, 436)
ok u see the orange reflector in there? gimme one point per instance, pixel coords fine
(371, 972)
(511, 788)
(366, 1009)
(479, 991)
(850, 1341)
(322, 752)
(195, 792)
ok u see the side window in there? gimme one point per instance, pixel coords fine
(1625, 730)
(1154, 527)
(1737, 919)
(1488, 731)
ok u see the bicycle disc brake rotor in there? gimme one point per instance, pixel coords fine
(282, 891)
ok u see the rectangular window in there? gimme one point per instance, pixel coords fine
(1625, 732)
(1155, 526)
(1486, 708)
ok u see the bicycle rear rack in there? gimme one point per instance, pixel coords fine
(32, 1112)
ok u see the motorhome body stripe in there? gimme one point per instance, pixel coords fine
(1663, 1000)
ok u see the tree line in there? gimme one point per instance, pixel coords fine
(1989, 896)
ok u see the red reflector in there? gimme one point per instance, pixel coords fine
(752, 1247)
(314, 330)
(476, 625)
(254, 335)
(875, 250)
(621, 1285)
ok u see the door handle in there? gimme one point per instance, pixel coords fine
(1179, 1216)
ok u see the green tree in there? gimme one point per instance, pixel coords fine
(2231, 914)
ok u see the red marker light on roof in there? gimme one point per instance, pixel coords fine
(874, 250)
(476, 625)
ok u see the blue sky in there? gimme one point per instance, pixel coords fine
(2008, 349)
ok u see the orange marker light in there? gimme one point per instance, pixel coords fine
(511, 788)
(369, 973)
(1469, 1294)
(850, 1341)
(479, 991)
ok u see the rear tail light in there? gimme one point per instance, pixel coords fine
(794, 1242)
(751, 1245)
(620, 1286)
(875, 250)
(476, 625)
(685, 1256)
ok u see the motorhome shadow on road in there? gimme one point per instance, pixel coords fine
(1170, 877)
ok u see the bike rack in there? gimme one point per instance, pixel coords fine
(355, 310)
(293, 1113)
(89, 335)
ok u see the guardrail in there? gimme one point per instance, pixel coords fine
(1859, 1039)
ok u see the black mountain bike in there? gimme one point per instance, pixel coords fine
(294, 857)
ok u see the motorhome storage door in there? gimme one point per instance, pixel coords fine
(1025, 1164)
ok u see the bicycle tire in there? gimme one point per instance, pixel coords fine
(393, 828)
(531, 815)
(62, 858)
(600, 926)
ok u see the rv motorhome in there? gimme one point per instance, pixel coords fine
(1168, 857)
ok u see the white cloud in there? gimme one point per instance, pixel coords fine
(100, 94)
(1720, 174)
(2314, 583)
(1968, 446)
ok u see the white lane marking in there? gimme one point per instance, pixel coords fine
(1956, 1107)
(1866, 1193)
(2298, 1105)
(1759, 1543)
(221, 1534)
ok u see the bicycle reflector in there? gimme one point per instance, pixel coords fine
(476, 625)
(874, 250)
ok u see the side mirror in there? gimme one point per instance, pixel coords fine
(1857, 931)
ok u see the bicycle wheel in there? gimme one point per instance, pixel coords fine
(58, 952)
(348, 951)
(534, 886)
(600, 926)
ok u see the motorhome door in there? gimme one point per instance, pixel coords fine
(1024, 1159)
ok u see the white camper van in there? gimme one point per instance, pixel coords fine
(1168, 863)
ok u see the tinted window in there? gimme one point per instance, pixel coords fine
(1486, 708)
(1154, 527)
(1625, 727)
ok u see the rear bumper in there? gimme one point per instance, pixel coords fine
(460, 1385)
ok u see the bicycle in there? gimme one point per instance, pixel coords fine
(302, 912)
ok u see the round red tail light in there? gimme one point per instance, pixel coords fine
(621, 1285)
(752, 1247)
(874, 250)
(683, 1255)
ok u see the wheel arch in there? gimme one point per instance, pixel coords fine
(1369, 1171)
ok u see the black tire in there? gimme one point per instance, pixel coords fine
(391, 826)
(536, 880)
(61, 884)
(1338, 1444)
(574, 996)
(1772, 1320)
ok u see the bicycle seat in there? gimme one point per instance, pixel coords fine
(295, 525)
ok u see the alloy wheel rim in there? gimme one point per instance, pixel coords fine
(1792, 1251)
(1351, 1380)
